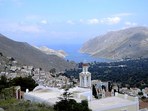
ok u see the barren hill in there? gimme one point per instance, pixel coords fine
(29, 55)
(127, 43)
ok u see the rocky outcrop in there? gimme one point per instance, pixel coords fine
(46, 50)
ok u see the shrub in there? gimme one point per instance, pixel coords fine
(71, 105)
(20, 105)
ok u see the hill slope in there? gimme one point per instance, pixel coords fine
(46, 50)
(29, 55)
(127, 43)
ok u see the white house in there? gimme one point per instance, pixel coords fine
(50, 96)
(145, 92)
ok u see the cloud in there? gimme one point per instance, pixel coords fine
(21, 28)
(123, 14)
(44, 21)
(130, 24)
(111, 20)
(29, 28)
(70, 22)
(82, 21)
(108, 21)
(36, 19)
(93, 21)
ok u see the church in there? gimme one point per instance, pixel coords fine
(85, 77)
(86, 82)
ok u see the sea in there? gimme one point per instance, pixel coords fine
(73, 53)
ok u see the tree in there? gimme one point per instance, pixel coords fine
(94, 92)
(67, 104)
(1, 54)
(25, 83)
(53, 70)
(140, 93)
(12, 59)
(3, 82)
(84, 103)
(71, 105)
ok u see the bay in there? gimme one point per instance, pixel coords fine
(74, 54)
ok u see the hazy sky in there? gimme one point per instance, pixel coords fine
(43, 22)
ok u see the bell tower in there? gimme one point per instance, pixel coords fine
(85, 77)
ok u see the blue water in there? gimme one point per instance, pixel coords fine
(75, 55)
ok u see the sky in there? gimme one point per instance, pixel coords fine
(44, 22)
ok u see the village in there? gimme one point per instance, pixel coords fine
(56, 82)
(12, 69)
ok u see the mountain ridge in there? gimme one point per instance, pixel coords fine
(29, 55)
(119, 44)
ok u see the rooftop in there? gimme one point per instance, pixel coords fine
(51, 95)
(108, 103)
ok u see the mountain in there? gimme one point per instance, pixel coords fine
(46, 50)
(126, 43)
(29, 55)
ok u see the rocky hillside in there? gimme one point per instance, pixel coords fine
(29, 55)
(127, 43)
(46, 50)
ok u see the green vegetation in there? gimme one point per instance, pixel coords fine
(20, 105)
(25, 83)
(133, 73)
(3, 82)
(7, 93)
(67, 104)
(8, 103)
(71, 105)
(94, 92)
(63, 105)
